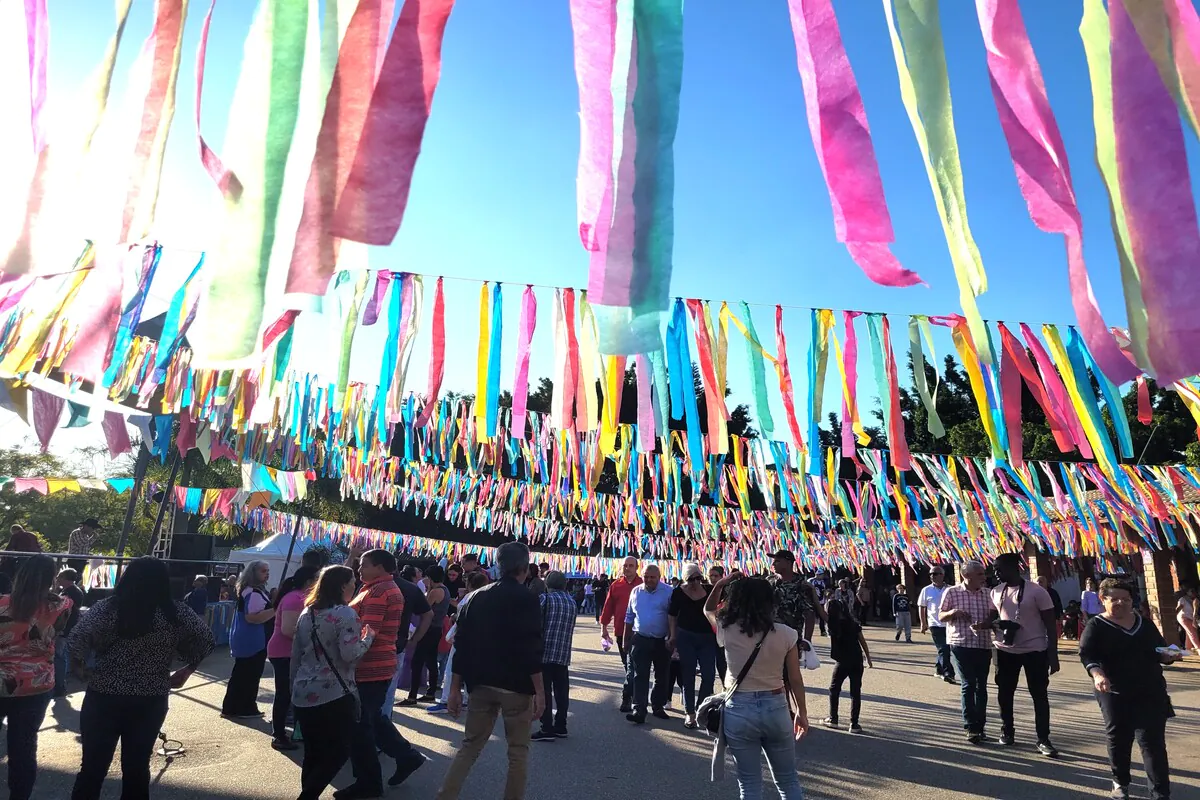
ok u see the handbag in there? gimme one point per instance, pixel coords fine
(357, 704)
(714, 707)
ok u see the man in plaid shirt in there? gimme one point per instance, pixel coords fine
(967, 611)
(558, 628)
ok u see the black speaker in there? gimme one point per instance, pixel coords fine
(191, 547)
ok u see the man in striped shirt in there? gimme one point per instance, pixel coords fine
(967, 612)
(379, 604)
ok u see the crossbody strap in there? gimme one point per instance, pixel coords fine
(746, 667)
(322, 652)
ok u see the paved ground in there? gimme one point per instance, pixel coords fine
(914, 746)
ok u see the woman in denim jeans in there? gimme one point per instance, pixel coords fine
(757, 717)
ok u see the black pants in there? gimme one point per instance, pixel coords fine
(648, 653)
(1125, 721)
(241, 693)
(283, 696)
(556, 680)
(107, 719)
(424, 659)
(374, 732)
(24, 716)
(328, 730)
(862, 613)
(627, 687)
(600, 598)
(844, 670)
(1037, 678)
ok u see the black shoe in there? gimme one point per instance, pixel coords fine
(1048, 750)
(1119, 792)
(660, 713)
(543, 736)
(284, 744)
(560, 731)
(975, 738)
(407, 701)
(356, 792)
(406, 768)
(429, 697)
(897, 636)
(950, 679)
(639, 719)
(626, 707)
(1008, 739)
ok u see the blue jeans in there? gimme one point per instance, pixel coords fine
(943, 666)
(973, 665)
(756, 723)
(696, 650)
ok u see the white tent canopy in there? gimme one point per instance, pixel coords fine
(274, 550)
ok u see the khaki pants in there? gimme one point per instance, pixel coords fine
(485, 705)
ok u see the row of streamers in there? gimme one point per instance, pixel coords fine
(1040, 160)
(837, 121)
(916, 37)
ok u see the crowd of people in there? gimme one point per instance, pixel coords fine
(343, 640)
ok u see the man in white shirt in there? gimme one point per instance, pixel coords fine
(930, 603)
(1024, 619)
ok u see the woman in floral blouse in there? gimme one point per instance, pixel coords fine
(30, 619)
(327, 645)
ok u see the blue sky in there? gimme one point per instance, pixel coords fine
(494, 191)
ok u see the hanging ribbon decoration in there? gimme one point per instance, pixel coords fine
(521, 381)
(785, 382)
(437, 360)
(838, 124)
(818, 361)
(917, 326)
(925, 90)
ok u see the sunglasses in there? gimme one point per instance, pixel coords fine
(694, 578)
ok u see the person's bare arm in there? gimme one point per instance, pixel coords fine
(862, 641)
(795, 680)
(423, 623)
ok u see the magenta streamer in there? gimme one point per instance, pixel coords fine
(224, 178)
(842, 139)
(1159, 208)
(521, 384)
(371, 314)
(37, 26)
(371, 207)
(437, 358)
(97, 312)
(315, 251)
(850, 357)
(1040, 160)
(116, 435)
(1010, 394)
(1056, 392)
(47, 410)
(594, 25)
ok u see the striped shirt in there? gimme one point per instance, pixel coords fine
(380, 604)
(978, 605)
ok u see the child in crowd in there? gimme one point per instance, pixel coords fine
(902, 613)
(848, 647)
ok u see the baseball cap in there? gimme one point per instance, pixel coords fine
(788, 554)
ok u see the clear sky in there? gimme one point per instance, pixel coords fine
(494, 191)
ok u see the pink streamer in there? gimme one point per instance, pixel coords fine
(315, 252)
(39, 485)
(850, 358)
(165, 40)
(1040, 160)
(594, 24)
(226, 181)
(1056, 392)
(371, 207)
(437, 358)
(276, 328)
(47, 411)
(1020, 359)
(1159, 207)
(1145, 412)
(97, 312)
(521, 384)
(842, 138)
(37, 24)
(116, 435)
(1010, 397)
(1185, 40)
(645, 405)
(185, 437)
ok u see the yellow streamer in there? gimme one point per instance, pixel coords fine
(481, 361)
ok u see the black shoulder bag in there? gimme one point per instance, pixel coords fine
(712, 718)
(357, 704)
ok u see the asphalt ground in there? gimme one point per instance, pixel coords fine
(914, 745)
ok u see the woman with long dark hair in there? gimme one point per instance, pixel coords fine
(328, 643)
(135, 636)
(248, 642)
(292, 594)
(756, 718)
(30, 619)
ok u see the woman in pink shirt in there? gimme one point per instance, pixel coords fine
(279, 650)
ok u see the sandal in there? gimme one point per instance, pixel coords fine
(690, 724)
